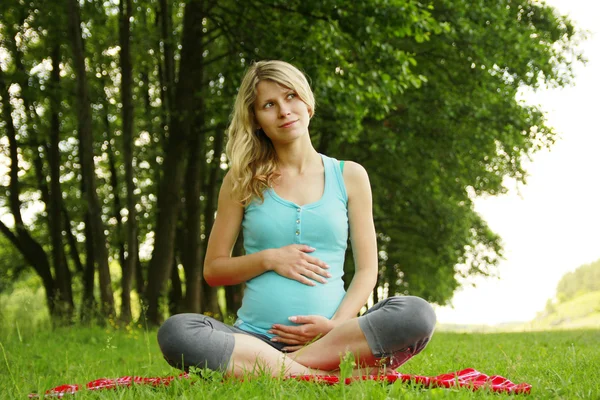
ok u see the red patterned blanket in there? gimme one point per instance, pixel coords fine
(468, 378)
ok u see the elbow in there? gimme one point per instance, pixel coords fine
(209, 276)
(210, 281)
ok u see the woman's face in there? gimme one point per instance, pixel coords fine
(280, 113)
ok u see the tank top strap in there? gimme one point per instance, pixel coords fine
(334, 179)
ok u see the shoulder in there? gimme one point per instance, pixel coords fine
(226, 194)
(227, 184)
(354, 170)
(356, 179)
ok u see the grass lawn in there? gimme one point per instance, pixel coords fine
(559, 364)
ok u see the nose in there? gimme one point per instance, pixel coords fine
(284, 111)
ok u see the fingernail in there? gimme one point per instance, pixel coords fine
(326, 265)
(293, 319)
(269, 331)
(274, 340)
(328, 275)
(311, 248)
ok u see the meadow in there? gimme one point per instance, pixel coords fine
(559, 365)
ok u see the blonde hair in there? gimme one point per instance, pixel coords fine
(253, 160)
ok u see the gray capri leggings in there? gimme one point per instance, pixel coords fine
(396, 329)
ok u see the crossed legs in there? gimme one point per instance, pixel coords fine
(389, 334)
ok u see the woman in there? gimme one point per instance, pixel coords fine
(296, 208)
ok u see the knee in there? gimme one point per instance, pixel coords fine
(170, 330)
(417, 314)
(172, 339)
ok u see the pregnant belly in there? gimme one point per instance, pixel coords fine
(271, 299)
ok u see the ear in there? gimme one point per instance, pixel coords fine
(310, 112)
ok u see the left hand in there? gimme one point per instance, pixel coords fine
(311, 328)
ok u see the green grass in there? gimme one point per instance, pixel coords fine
(561, 364)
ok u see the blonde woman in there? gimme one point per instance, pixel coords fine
(296, 208)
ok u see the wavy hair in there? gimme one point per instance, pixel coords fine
(250, 152)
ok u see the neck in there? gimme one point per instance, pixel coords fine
(297, 156)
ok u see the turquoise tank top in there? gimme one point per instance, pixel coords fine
(271, 298)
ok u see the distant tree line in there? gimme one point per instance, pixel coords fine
(584, 279)
(113, 119)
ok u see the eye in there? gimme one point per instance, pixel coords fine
(268, 104)
(291, 96)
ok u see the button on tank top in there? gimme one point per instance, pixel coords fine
(270, 298)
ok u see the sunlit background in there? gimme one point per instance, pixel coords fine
(551, 225)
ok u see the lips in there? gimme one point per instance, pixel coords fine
(288, 124)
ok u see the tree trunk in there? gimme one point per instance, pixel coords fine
(175, 294)
(210, 301)
(191, 251)
(167, 37)
(127, 117)
(71, 239)
(114, 183)
(140, 282)
(84, 117)
(59, 259)
(117, 207)
(88, 303)
(188, 102)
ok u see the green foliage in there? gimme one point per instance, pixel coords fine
(23, 305)
(459, 135)
(12, 265)
(584, 279)
(557, 364)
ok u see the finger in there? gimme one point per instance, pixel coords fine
(303, 279)
(300, 319)
(321, 265)
(290, 349)
(288, 341)
(285, 335)
(304, 248)
(318, 270)
(310, 274)
(293, 330)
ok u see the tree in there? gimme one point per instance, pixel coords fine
(459, 135)
(84, 117)
(584, 279)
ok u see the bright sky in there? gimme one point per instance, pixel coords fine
(551, 225)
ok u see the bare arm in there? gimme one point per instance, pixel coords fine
(363, 239)
(221, 269)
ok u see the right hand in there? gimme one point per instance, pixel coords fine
(293, 262)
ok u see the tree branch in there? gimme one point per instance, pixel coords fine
(10, 236)
(219, 57)
(295, 11)
(214, 37)
(14, 201)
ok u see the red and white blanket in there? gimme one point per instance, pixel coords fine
(468, 378)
